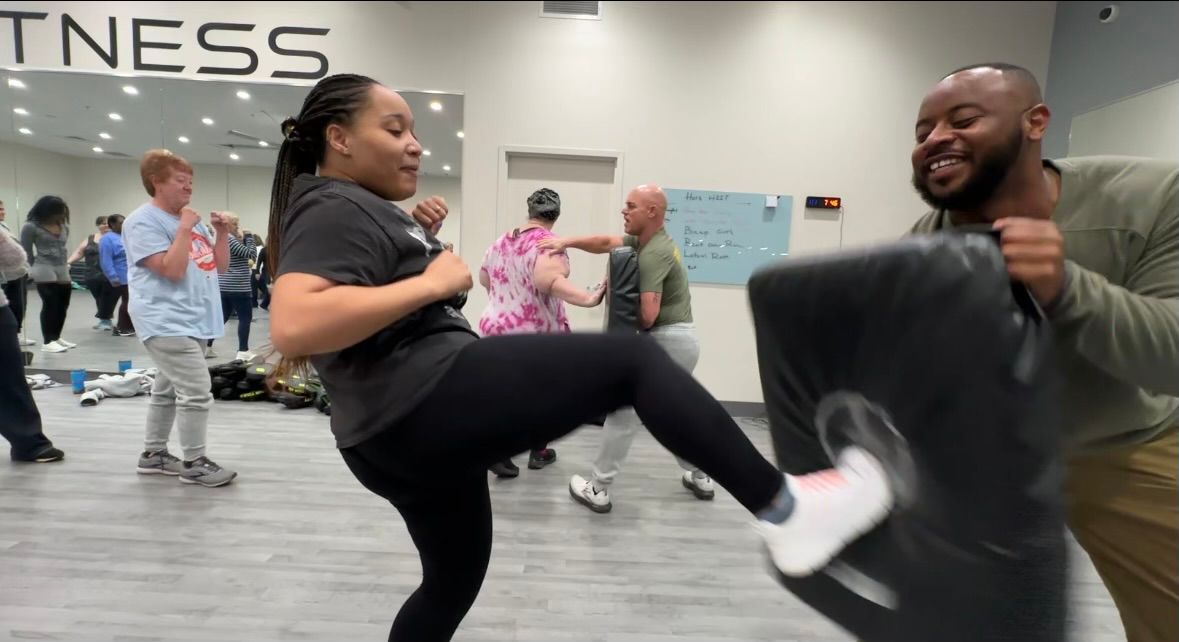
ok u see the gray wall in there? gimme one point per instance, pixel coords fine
(1093, 64)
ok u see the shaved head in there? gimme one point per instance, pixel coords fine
(651, 194)
(1022, 81)
(644, 210)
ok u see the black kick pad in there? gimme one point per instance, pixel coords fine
(622, 294)
(926, 354)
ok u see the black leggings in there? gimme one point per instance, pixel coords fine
(17, 291)
(21, 425)
(55, 300)
(122, 295)
(104, 295)
(479, 414)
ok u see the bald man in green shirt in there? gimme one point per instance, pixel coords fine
(665, 311)
(1096, 240)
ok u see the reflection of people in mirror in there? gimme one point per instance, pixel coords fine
(44, 237)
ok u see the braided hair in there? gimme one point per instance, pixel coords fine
(333, 100)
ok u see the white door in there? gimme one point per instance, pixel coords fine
(590, 204)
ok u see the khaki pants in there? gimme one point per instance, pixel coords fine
(1123, 508)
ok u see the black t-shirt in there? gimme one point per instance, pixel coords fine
(344, 233)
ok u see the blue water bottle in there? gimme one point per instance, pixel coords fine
(78, 379)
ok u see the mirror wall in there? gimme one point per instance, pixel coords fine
(80, 137)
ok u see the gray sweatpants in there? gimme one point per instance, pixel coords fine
(679, 340)
(181, 394)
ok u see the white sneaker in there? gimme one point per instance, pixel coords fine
(701, 487)
(209, 353)
(92, 397)
(28, 342)
(245, 356)
(53, 346)
(832, 508)
(583, 491)
(67, 344)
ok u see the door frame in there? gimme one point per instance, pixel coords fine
(506, 152)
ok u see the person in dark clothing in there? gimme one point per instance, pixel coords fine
(105, 296)
(261, 276)
(21, 422)
(113, 259)
(370, 296)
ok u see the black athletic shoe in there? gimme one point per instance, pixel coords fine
(505, 469)
(538, 459)
(44, 457)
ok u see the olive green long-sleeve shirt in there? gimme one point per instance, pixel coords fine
(1117, 320)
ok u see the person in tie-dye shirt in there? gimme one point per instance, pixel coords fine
(527, 290)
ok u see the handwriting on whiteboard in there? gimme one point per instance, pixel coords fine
(724, 236)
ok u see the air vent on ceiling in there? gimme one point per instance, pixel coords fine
(571, 9)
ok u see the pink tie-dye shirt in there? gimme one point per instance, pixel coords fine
(514, 305)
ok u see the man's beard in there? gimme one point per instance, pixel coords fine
(979, 188)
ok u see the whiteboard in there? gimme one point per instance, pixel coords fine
(1145, 124)
(725, 236)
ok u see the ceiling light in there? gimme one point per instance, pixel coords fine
(206, 120)
(183, 139)
(97, 150)
(234, 156)
(104, 135)
(20, 111)
(243, 94)
(16, 83)
(115, 116)
(25, 130)
(460, 134)
(435, 105)
(446, 168)
(130, 90)
(425, 152)
(263, 143)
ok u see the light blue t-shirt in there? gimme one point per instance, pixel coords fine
(190, 307)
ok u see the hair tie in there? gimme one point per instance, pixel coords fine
(290, 130)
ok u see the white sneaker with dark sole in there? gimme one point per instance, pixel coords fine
(582, 490)
(832, 508)
(701, 487)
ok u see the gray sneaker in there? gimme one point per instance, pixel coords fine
(204, 472)
(160, 462)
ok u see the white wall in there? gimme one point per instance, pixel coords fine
(1145, 124)
(792, 98)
